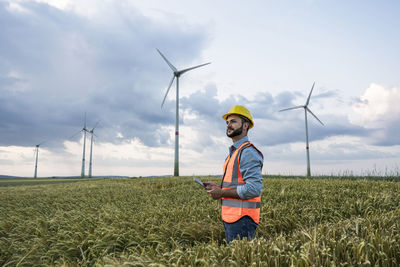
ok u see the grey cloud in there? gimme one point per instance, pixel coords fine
(286, 127)
(285, 99)
(387, 136)
(204, 103)
(326, 94)
(65, 65)
(272, 127)
(292, 129)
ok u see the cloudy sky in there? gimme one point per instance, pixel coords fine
(62, 58)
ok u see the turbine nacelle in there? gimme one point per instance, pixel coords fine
(306, 108)
(92, 131)
(176, 73)
(38, 145)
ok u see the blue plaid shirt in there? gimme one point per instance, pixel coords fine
(250, 167)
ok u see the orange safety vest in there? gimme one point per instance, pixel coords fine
(232, 208)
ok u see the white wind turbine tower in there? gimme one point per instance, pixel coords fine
(91, 149)
(37, 157)
(306, 109)
(84, 130)
(177, 74)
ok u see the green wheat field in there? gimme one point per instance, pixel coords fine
(172, 222)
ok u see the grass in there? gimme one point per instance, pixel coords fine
(39, 181)
(172, 222)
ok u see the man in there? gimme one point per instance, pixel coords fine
(241, 186)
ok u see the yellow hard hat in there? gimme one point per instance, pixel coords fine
(240, 110)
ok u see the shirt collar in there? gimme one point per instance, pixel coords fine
(237, 144)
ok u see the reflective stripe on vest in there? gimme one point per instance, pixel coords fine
(234, 209)
(240, 204)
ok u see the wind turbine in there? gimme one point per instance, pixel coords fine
(37, 156)
(306, 109)
(91, 149)
(177, 73)
(84, 130)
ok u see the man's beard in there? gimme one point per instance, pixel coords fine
(236, 132)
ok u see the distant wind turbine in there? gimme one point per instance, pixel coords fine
(306, 108)
(177, 73)
(37, 157)
(84, 130)
(91, 149)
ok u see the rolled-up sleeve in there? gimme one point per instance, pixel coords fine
(250, 167)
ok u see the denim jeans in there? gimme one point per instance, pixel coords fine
(244, 227)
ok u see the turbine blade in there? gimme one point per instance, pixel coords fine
(309, 110)
(166, 60)
(72, 136)
(84, 125)
(309, 96)
(169, 87)
(41, 143)
(195, 67)
(291, 108)
(97, 123)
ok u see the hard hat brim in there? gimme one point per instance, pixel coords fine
(225, 116)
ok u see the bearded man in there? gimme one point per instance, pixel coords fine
(240, 190)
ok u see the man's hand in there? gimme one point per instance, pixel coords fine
(209, 185)
(215, 192)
